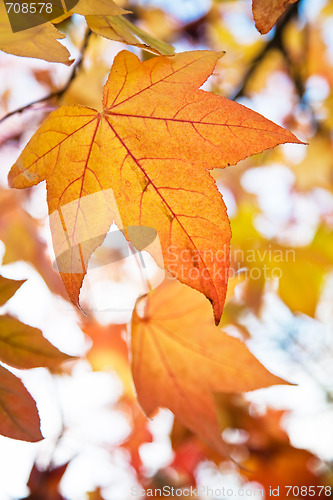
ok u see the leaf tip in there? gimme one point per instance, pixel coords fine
(69, 62)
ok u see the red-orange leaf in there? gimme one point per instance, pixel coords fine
(180, 359)
(144, 160)
(18, 413)
(44, 483)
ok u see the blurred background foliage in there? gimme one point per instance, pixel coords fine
(98, 444)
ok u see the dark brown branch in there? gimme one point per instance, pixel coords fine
(275, 42)
(57, 93)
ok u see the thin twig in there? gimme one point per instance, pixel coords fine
(275, 42)
(60, 92)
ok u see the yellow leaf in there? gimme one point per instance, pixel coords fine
(300, 271)
(40, 42)
(316, 169)
(98, 7)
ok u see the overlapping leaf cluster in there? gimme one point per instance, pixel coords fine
(104, 18)
(24, 347)
(151, 145)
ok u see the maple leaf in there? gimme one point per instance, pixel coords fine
(267, 12)
(144, 160)
(177, 347)
(104, 17)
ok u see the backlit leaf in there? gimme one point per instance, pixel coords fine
(40, 41)
(180, 359)
(105, 18)
(144, 161)
(23, 346)
(18, 413)
(122, 30)
(89, 8)
(98, 7)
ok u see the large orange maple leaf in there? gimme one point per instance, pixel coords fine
(144, 161)
(180, 360)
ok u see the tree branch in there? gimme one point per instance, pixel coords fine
(274, 43)
(57, 93)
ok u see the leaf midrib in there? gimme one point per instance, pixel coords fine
(162, 198)
(195, 122)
